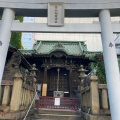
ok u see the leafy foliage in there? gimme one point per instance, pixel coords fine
(16, 36)
(101, 72)
(99, 65)
(16, 40)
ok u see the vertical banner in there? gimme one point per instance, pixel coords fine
(55, 14)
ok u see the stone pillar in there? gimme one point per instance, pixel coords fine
(16, 93)
(111, 64)
(6, 96)
(5, 33)
(104, 99)
(94, 93)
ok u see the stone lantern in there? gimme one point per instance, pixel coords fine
(82, 76)
(33, 73)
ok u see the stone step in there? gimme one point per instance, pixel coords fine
(48, 114)
(56, 117)
(58, 111)
(40, 119)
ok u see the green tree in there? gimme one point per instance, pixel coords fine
(99, 66)
(101, 72)
(16, 36)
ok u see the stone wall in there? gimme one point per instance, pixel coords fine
(94, 100)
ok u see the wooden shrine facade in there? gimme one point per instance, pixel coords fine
(58, 63)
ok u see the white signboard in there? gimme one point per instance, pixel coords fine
(38, 87)
(56, 14)
(57, 101)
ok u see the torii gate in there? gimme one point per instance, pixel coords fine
(73, 8)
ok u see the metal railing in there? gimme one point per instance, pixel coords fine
(65, 103)
(30, 106)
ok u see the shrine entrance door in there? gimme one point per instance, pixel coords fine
(61, 78)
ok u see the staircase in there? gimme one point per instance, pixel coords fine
(50, 114)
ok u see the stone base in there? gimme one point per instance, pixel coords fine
(87, 116)
(13, 115)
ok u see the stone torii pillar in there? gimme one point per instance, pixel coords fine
(5, 33)
(111, 64)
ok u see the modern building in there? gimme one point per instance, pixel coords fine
(28, 38)
(93, 41)
(117, 44)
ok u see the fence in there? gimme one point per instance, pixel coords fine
(15, 97)
(94, 97)
(65, 103)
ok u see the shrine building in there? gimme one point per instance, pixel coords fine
(58, 63)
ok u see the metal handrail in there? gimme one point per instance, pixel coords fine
(30, 106)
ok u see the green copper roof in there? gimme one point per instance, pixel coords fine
(73, 48)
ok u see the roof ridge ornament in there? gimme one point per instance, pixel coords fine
(59, 45)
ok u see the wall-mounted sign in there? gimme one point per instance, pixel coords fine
(57, 101)
(56, 14)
